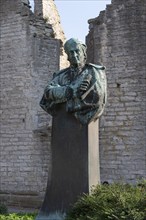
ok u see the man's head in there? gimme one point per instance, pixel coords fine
(76, 52)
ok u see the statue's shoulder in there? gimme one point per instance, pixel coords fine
(97, 70)
(60, 72)
(96, 66)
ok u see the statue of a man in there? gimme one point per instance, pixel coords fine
(74, 97)
(81, 86)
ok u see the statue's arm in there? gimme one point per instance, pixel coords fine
(101, 91)
(54, 93)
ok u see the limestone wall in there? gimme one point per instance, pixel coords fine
(117, 38)
(47, 9)
(29, 55)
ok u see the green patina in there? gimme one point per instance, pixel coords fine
(82, 87)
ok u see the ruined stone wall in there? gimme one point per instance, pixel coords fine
(47, 9)
(117, 38)
(29, 55)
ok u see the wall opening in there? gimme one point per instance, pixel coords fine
(32, 5)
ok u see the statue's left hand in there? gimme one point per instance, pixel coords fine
(85, 84)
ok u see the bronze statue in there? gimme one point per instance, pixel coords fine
(75, 97)
(81, 86)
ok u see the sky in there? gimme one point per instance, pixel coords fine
(74, 15)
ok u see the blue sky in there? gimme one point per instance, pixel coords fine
(75, 14)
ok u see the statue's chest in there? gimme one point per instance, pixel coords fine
(73, 78)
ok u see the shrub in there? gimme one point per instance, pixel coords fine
(18, 217)
(111, 202)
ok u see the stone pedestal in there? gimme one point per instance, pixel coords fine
(75, 164)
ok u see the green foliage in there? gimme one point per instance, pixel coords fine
(18, 217)
(111, 202)
(3, 209)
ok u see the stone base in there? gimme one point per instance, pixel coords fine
(53, 216)
(75, 165)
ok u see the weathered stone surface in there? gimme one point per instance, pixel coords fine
(117, 39)
(47, 9)
(29, 55)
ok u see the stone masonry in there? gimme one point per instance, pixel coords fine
(29, 55)
(117, 38)
(47, 9)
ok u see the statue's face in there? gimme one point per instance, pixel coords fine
(76, 56)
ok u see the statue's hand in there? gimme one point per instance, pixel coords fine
(77, 90)
(85, 84)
